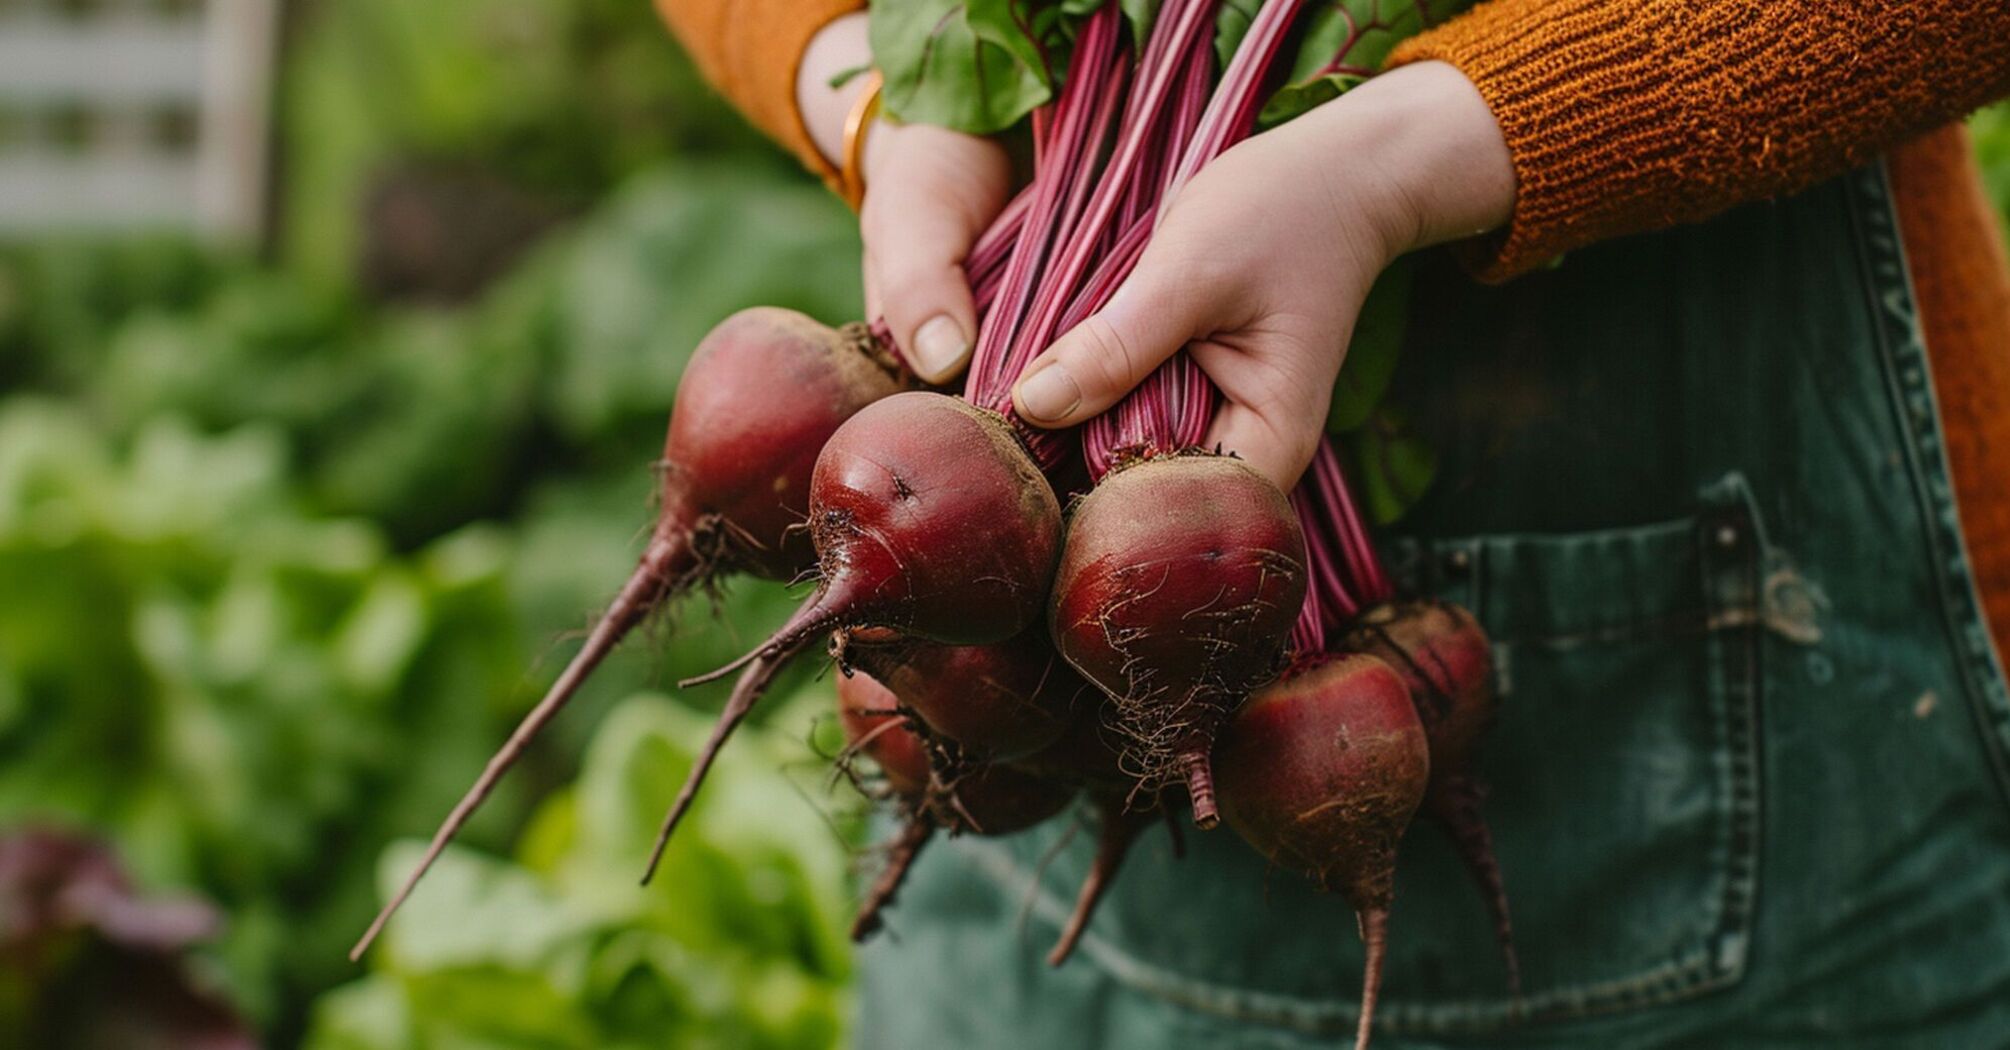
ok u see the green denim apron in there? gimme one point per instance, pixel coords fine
(1751, 780)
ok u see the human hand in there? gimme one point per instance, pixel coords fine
(1260, 266)
(929, 193)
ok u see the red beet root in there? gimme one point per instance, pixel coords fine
(999, 701)
(747, 691)
(929, 519)
(1120, 829)
(1321, 773)
(915, 832)
(762, 393)
(986, 800)
(874, 727)
(1447, 662)
(1180, 581)
(1083, 756)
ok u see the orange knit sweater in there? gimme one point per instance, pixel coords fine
(1624, 116)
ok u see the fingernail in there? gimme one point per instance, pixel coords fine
(1049, 394)
(939, 348)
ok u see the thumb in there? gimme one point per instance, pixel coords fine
(1093, 365)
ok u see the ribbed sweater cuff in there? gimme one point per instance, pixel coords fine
(1631, 116)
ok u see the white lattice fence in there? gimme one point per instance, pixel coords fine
(134, 113)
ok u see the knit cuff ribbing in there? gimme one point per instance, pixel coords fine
(1631, 116)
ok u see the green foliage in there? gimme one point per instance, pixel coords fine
(1393, 466)
(1344, 43)
(736, 944)
(562, 98)
(424, 420)
(1990, 130)
(1373, 350)
(975, 65)
(263, 614)
(222, 682)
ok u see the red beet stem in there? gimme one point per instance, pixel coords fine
(994, 365)
(1374, 934)
(899, 861)
(666, 566)
(753, 684)
(1172, 409)
(1371, 584)
(1120, 830)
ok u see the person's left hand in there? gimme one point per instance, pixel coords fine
(1261, 264)
(930, 193)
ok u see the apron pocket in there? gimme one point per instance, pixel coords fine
(1624, 770)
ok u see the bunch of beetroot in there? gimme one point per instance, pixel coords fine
(1185, 635)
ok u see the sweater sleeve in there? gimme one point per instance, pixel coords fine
(750, 51)
(1630, 115)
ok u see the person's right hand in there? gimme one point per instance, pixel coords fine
(929, 194)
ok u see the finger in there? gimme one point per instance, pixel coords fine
(873, 305)
(1276, 388)
(1093, 365)
(915, 263)
(1277, 448)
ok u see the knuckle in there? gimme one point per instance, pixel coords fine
(1105, 359)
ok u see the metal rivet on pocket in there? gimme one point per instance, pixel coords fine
(1458, 562)
(1727, 536)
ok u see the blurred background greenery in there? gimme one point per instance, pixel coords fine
(289, 538)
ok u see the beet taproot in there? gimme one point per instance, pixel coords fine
(1446, 660)
(1321, 773)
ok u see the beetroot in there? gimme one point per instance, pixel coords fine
(929, 519)
(1084, 755)
(985, 799)
(1321, 773)
(1000, 701)
(763, 392)
(1180, 581)
(929, 522)
(873, 726)
(1446, 661)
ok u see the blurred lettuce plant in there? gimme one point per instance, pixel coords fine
(736, 944)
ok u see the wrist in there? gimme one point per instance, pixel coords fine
(838, 48)
(1418, 152)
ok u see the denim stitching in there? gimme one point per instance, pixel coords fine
(1908, 376)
